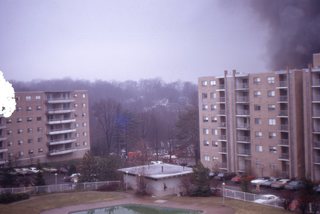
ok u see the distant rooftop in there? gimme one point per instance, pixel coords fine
(158, 171)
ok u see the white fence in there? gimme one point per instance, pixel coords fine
(250, 197)
(87, 186)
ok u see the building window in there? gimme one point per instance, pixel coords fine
(257, 93)
(9, 132)
(206, 143)
(213, 82)
(273, 149)
(38, 97)
(20, 142)
(259, 148)
(28, 98)
(207, 158)
(39, 129)
(19, 108)
(19, 131)
(258, 134)
(29, 119)
(271, 107)
(215, 144)
(270, 80)
(272, 122)
(40, 150)
(85, 143)
(77, 125)
(19, 120)
(85, 124)
(29, 130)
(214, 119)
(257, 121)
(30, 151)
(204, 107)
(213, 107)
(256, 80)
(83, 105)
(20, 154)
(77, 135)
(204, 95)
(29, 108)
(257, 107)
(38, 118)
(213, 95)
(39, 139)
(215, 132)
(10, 143)
(9, 121)
(272, 135)
(271, 93)
(205, 131)
(205, 119)
(204, 83)
(77, 144)
(38, 107)
(30, 140)
(84, 133)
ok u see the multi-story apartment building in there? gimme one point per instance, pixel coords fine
(46, 126)
(252, 123)
(312, 119)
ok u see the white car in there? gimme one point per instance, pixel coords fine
(258, 181)
(34, 170)
(267, 199)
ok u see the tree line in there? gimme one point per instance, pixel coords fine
(144, 119)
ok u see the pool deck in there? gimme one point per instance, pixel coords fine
(131, 199)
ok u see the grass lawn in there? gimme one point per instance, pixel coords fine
(37, 204)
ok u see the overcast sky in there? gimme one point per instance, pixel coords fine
(128, 39)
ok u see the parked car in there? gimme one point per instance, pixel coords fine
(222, 176)
(268, 182)
(295, 185)
(259, 181)
(52, 170)
(280, 183)
(317, 188)
(268, 199)
(74, 178)
(236, 179)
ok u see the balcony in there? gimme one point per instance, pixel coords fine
(244, 152)
(55, 152)
(242, 99)
(223, 165)
(221, 87)
(62, 141)
(243, 112)
(3, 138)
(283, 113)
(222, 112)
(243, 138)
(316, 144)
(53, 122)
(243, 126)
(284, 142)
(222, 137)
(316, 114)
(316, 98)
(316, 82)
(317, 159)
(283, 98)
(242, 86)
(223, 150)
(60, 111)
(222, 125)
(3, 126)
(284, 156)
(284, 127)
(2, 150)
(222, 99)
(60, 100)
(61, 131)
(283, 84)
(316, 130)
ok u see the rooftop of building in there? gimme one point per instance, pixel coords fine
(157, 171)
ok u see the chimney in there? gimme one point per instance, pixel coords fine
(316, 60)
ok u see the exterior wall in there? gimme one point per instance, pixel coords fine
(262, 132)
(47, 126)
(316, 60)
(161, 187)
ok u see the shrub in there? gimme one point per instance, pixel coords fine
(6, 198)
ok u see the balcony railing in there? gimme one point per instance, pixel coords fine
(222, 99)
(316, 98)
(317, 159)
(60, 100)
(283, 83)
(244, 152)
(316, 144)
(243, 126)
(223, 112)
(222, 124)
(283, 98)
(61, 131)
(284, 156)
(316, 129)
(316, 114)
(61, 141)
(223, 166)
(242, 98)
(284, 142)
(284, 127)
(243, 138)
(55, 152)
(221, 86)
(243, 112)
(222, 137)
(316, 82)
(223, 150)
(283, 113)
(242, 86)
(57, 121)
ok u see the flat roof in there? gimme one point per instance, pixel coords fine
(157, 171)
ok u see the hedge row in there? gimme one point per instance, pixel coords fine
(6, 198)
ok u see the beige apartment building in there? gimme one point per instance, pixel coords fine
(266, 124)
(46, 126)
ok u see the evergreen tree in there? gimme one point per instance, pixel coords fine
(88, 169)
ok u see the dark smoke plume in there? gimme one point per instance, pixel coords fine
(294, 30)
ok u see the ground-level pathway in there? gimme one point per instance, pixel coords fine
(161, 202)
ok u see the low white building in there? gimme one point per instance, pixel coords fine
(160, 179)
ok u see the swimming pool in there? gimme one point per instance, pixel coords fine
(136, 209)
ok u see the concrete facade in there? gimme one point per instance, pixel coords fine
(46, 126)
